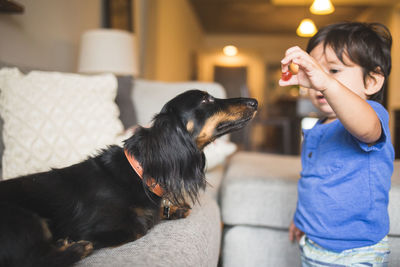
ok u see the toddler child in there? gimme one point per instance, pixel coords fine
(341, 217)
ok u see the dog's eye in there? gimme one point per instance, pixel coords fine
(207, 99)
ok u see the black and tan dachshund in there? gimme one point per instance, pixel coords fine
(55, 218)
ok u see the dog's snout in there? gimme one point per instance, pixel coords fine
(252, 103)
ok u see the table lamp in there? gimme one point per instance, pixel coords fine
(112, 51)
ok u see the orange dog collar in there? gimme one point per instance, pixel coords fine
(151, 183)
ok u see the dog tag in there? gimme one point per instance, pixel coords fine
(166, 211)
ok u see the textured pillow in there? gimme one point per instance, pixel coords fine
(23, 69)
(217, 152)
(55, 119)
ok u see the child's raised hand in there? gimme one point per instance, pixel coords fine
(310, 73)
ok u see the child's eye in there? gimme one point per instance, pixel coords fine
(333, 71)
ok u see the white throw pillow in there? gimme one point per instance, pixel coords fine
(217, 152)
(53, 119)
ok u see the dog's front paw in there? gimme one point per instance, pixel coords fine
(85, 247)
(178, 212)
(82, 248)
(173, 212)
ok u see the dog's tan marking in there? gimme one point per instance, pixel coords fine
(190, 126)
(63, 244)
(177, 211)
(46, 231)
(83, 247)
(238, 109)
(139, 212)
(87, 248)
(206, 133)
(180, 212)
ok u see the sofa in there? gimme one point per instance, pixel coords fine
(242, 217)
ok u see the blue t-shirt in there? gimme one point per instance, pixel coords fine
(343, 192)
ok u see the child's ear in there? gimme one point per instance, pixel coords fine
(374, 82)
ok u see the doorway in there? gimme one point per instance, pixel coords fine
(234, 80)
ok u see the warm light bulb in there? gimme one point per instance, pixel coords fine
(322, 7)
(306, 28)
(230, 50)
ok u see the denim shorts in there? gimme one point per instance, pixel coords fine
(313, 255)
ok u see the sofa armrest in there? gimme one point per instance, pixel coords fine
(193, 241)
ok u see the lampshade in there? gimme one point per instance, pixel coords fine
(322, 7)
(108, 50)
(306, 28)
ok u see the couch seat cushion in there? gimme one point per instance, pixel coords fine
(260, 189)
(259, 246)
(394, 201)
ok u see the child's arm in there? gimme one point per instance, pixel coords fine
(356, 115)
(352, 110)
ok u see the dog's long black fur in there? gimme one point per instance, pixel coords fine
(56, 218)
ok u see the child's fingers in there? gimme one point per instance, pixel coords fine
(292, 53)
(294, 233)
(297, 57)
(292, 229)
(299, 234)
(292, 49)
(287, 59)
(291, 236)
(305, 67)
(287, 83)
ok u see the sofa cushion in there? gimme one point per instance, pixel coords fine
(55, 119)
(260, 189)
(150, 96)
(394, 201)
(259, 246)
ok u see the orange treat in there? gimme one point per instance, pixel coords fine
(294, 68)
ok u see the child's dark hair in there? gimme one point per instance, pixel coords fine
(366, 44)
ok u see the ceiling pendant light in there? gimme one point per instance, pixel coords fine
(306, 28)
(230, 50)
(322, 7)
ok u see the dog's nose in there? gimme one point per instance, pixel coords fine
(252, 103)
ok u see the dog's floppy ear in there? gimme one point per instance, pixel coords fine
(168, 154)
